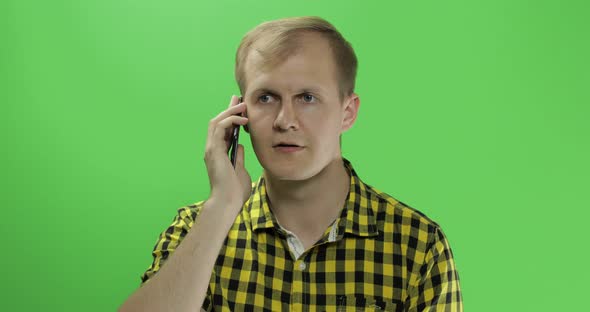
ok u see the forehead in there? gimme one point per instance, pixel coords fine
(309, 66)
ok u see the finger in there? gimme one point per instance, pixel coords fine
(222, 128)
(234, 110)
(225, 126)
(233, 101)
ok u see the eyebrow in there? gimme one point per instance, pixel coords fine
(302, 90)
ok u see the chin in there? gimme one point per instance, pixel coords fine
(289, 169)
(293, 169)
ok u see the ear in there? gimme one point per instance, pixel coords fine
(351, 108)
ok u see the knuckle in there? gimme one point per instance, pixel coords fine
(208, 154)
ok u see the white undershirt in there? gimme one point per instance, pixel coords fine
(295, 244)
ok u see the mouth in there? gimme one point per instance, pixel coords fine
(286, 147)
(286, 144)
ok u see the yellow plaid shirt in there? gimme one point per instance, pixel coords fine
(382, 256)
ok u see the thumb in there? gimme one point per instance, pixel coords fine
(240, 167)
(240, 160)
(243, 174)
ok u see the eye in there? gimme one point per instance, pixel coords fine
(265, 98)
(308, 98)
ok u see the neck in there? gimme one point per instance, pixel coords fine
(310, 204)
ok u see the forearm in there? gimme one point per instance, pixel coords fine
(181, 284)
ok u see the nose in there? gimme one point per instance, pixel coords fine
(286, 118)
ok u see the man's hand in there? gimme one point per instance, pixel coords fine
(228, 185)
(181, 283)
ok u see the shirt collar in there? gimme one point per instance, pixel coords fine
(357, 216)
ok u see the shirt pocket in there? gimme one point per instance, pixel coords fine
(364, 303)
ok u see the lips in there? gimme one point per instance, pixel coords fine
(286, 144)
(287, 147)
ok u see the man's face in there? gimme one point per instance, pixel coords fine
(296, 103)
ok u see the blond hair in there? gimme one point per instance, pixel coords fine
(279, 39)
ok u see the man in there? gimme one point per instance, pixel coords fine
(308, 235)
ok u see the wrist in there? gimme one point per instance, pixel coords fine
(222, 203)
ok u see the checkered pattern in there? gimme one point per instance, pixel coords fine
(386, 256)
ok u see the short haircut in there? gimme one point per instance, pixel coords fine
(276, 40)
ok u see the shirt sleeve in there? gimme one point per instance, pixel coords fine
(437, 288)
(170, 239)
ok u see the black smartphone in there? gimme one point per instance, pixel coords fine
(233, 148)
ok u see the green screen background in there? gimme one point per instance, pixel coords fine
(472, 112)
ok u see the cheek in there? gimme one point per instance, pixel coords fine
(324, 134)
(259, 117)
(260, 131)
(325, 124)
(257, 125)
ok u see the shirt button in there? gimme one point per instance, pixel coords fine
(302, 265)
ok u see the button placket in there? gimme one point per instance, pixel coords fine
(297, 287)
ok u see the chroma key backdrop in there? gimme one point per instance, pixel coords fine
(475, 113)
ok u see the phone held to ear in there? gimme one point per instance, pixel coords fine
(233, 148)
